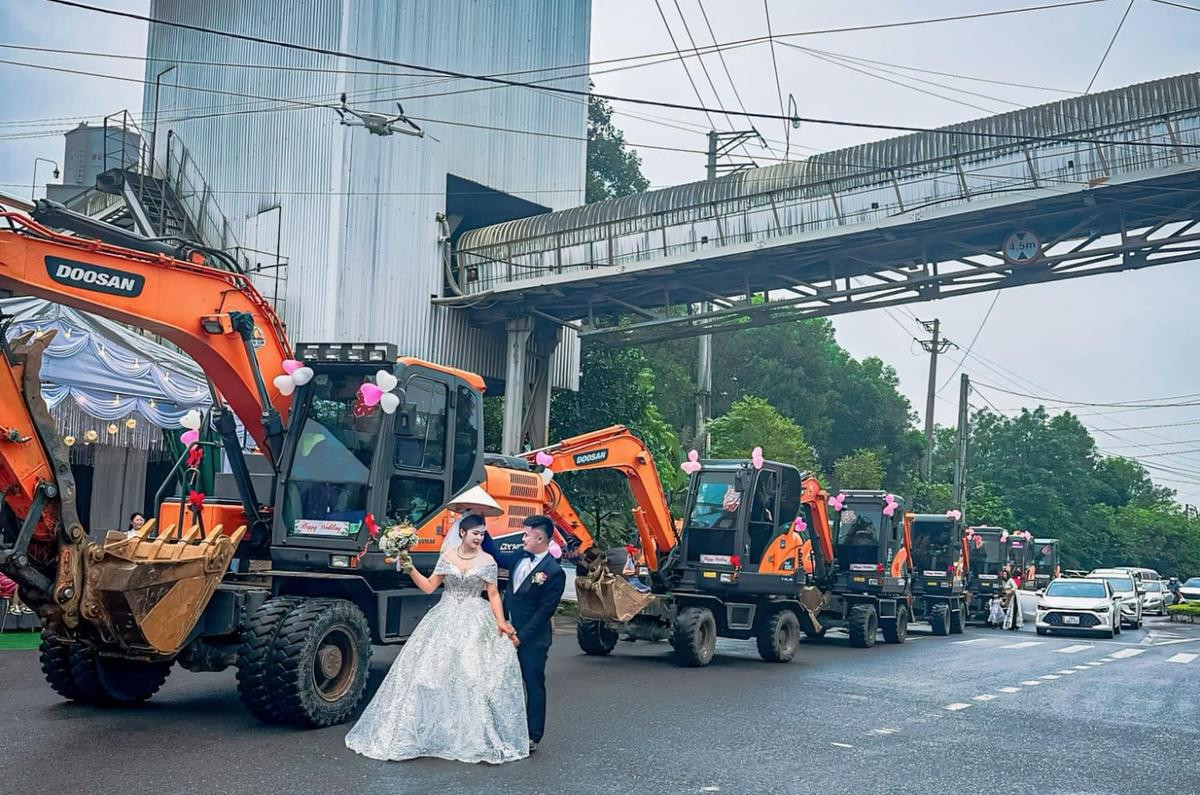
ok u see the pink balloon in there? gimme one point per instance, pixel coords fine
(555, 550)
(693, 456)
(544, 459)
(291, 365)
(954, 515)
(889, 509)
(370, 394)
(189, 438)
(801, 525)
(690, 467)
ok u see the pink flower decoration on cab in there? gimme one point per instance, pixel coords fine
(692, 465)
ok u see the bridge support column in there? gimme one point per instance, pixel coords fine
(527, 384)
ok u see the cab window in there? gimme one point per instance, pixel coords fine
(421, 430)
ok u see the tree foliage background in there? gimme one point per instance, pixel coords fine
(793, 390)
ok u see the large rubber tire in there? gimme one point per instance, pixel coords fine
(319, 662)
(779, 636)
(864, 622)
(694, 637)
(77, 672)
(939, 619)
(595, 637)
(895, 630)
(254, 656)
(958, 621)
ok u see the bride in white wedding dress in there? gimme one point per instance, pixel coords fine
(455, 690)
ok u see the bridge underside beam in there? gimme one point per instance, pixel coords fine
(1103, 229)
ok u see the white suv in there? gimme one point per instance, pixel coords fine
(1128, 590)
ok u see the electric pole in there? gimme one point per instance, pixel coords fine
(960, 449)
(719, 145)
(933, 347)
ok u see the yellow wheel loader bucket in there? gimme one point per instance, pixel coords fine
(145, 595)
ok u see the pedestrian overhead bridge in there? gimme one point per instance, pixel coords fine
(1087, 185)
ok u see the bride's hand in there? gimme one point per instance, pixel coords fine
(508, 631)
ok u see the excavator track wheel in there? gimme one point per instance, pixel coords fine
(319, 662)
(694, 637)
(939, 620)
(55, 657)
(779, 636)
(958, 621)
(254, 656)
(863, 624)
(896, 630)
(595, 637)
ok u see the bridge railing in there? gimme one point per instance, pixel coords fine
(877, 192)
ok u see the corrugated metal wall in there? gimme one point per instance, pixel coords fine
(357, 210)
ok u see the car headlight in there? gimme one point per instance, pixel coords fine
(1100, 609)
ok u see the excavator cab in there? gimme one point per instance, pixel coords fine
(870, 545)
(738, 532)
(343, 459)
(939, 564)
(989, 554)
(1045, 561)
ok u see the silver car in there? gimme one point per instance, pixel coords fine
(1128, 590)
(1189, 591)
(1156, 598)
(1088, 604)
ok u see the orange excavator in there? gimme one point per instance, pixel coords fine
(279, 576)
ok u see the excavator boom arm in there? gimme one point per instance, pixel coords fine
(617, 448)
(159, 294)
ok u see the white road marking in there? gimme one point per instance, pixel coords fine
(972, 640)
(1067, 672)
(1123, 653)
(884, 731)
(1081, 667)
(984, 697)
(1078, 647)
(956, 707)
(1094, 664)
(1031, 683)
(1025, 644)
(1183, 658)
(1049, 677)
(1105, 659)
(1173, 642)
(1010, 689)
(841, 745)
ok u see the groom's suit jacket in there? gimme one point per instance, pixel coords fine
(530, 606)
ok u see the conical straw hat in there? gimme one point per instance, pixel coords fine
(476, 500)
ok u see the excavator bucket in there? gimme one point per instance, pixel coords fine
(146, 594)
(603, 596)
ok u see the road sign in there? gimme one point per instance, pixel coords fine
(1022, 247)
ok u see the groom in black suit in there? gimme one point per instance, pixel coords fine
(535, 587)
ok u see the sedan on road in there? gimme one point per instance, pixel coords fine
(1190, 590)
(1079, 604)
(1128, 590)
(1156, 598)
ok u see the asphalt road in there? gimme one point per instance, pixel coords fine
(985, 711)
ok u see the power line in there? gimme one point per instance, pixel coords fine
(778, 87)
(725, 65)
(978, 331)
(1108, 49)
(652, 102)
(1176, 5)
(1144, 402)
(683, 63)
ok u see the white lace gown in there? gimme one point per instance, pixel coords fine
(455, 691)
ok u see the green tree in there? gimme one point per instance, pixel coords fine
(753, 422)
(862, 469)
(612, 169)
(616, 388)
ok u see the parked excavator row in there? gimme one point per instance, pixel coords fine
(299, 626)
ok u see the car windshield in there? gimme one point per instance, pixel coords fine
(1082, 590)
(717, 501)
(1152, 585)
(1194, 582)
(1120, 584)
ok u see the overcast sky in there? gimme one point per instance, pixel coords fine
(1101, 339)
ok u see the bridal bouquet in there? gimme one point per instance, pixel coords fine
(394, 541)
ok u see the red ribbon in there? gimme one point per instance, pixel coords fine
(195, 499)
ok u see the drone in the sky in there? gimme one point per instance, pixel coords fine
(379, 123)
